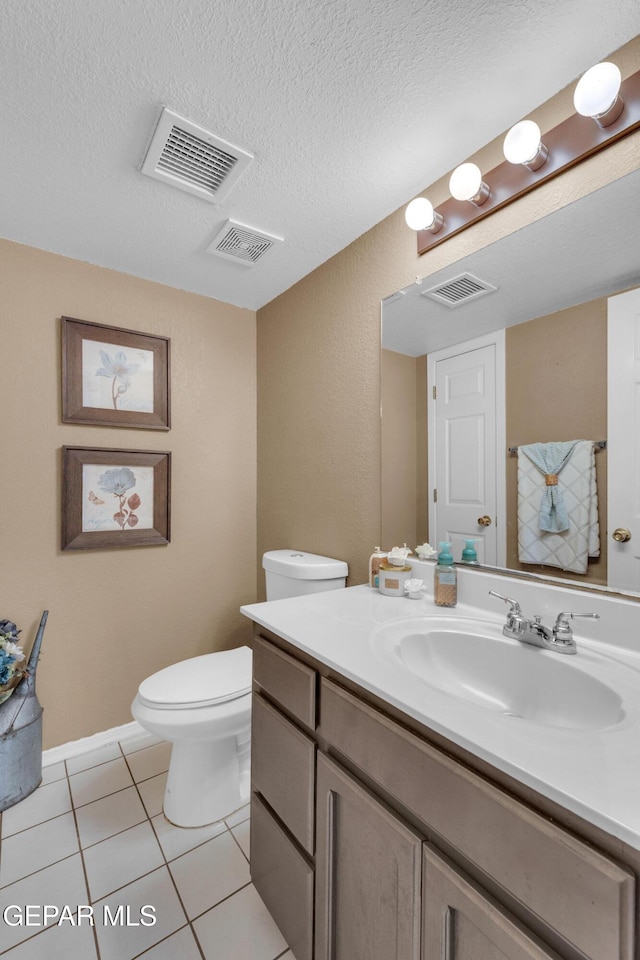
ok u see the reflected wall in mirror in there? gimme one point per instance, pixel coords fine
(552, 281)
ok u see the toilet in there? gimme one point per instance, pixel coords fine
(202, 706)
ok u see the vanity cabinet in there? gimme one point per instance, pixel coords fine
(384, 846)
(368, 874)
(461, 922)
(283, 772)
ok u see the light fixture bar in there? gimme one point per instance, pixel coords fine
(570, 142)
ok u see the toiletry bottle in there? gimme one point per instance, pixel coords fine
(469, 555)
(445, 583)
(375, 560)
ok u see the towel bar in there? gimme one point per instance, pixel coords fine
(598, 444)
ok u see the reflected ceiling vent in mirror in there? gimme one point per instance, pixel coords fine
(461, 289)
(241, 243)
(190, 158)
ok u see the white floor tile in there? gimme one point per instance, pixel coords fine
(208, 874)
(150, 761)
(103, 818)
(240, 928)
(100, 781)
(124, 942)
(38, 847)
(238, 816)
(241, 833)
(55, 771)
(152, 793)
(46, 802)
(110, 751)
(60, 885)
(121, 859)
(180, 946)
(138, 742)
(178, 840)
(65, 942)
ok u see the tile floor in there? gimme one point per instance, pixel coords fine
(93, 838)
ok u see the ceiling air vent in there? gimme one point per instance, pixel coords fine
(192, 159)
(460, 290)
(241, 243)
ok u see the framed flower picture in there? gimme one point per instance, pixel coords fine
(114, 498)
(114, 377)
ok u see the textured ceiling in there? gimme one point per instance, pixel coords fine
(350, 107)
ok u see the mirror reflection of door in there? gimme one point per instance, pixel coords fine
(623, 322)
(466, 442)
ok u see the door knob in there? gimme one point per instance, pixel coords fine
(486, 521)
(621, 535)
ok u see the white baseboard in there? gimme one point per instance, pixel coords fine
(75, 747)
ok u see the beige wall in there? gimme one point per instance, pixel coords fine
(399, 450)
(556, 389)
(319, 364)
(118, 615)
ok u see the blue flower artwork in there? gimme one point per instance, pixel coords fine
(117, 379)
(117, 497)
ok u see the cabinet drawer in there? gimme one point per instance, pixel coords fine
(283, 879)
(290, 683)
(583, 895)
(283, 769)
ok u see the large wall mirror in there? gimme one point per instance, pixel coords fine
(535, 305)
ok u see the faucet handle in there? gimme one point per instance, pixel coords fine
(514, 609)
(562, 629)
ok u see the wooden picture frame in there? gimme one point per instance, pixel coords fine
(115, 498)
(114, 377)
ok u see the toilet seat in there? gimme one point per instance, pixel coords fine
(199, 681)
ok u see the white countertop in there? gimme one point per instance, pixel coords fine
(594, 773)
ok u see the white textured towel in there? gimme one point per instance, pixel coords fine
(571, 549)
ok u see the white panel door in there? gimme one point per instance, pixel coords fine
(623, 443)
(466, 429)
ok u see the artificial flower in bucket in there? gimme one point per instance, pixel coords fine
(13, 664)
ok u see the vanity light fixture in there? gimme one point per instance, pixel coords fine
(598, 94)
(523, 145)
(466, 183)
(420, 215)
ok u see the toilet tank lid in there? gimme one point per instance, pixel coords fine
(303, 566)
(213, 677)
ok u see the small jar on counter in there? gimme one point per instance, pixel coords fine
(394, 572)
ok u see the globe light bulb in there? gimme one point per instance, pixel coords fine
(597, 94)
(420, 215)
(466, 183)
(523, 145)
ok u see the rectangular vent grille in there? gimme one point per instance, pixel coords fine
(192, 159)
(242, 244)
(195, 161)
(460, 290)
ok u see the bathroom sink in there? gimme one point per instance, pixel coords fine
(472, 660)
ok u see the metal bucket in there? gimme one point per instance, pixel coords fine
(21, 734)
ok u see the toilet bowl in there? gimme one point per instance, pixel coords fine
(202, 706)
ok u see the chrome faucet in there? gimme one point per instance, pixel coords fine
(560, 638)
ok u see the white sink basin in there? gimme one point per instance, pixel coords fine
(473, 661)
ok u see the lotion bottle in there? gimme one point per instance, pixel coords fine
(445, 583)
(375, 560)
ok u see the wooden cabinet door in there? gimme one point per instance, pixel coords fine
(368, 874)
(461, 922)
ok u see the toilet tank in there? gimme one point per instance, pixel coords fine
(292, 573)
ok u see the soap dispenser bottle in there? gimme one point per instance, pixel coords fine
(469, 555)
(445, 584)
